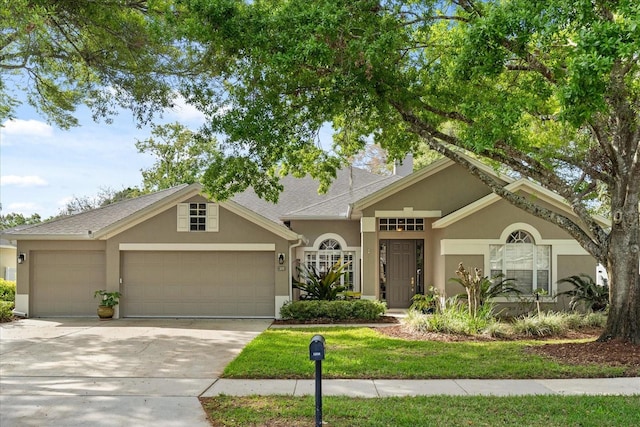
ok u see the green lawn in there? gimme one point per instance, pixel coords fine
(364, 353)
(548, 411)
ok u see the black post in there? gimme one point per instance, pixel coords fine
(318, 393)
(316, 353)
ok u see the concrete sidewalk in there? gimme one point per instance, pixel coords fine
(459, 387)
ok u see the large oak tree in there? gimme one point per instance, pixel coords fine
(107, 55)
(547, 89)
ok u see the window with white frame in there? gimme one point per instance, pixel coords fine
(401, 224)
(329, 253)
(521, 259)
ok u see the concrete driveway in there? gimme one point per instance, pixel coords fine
(128, 372)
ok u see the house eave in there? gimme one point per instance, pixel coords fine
(22, 237)
(314, 218)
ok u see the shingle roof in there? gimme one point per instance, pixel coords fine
(96, 219)
(300, 197)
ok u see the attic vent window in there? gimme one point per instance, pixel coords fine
(197, 216)
(401, 224)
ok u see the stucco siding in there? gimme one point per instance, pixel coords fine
(489, 223)
(446, 191)
(312, 229)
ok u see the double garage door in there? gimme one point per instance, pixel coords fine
(198, 284)
(156, 283)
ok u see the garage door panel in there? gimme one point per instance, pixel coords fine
(232, 284)
(63, 282)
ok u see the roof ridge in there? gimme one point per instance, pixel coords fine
(117, 204)
(351, 190)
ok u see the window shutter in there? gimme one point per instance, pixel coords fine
(212, 217)
(183, 217)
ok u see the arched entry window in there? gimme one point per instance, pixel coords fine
(521, 259)
(328, 253)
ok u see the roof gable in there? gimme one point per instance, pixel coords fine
(416, 177)
(519, 185)
(110, 220)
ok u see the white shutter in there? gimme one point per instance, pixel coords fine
(212, 217)
(183, 217)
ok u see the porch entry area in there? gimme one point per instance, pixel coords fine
(401, 271)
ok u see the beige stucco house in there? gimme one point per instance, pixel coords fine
(175, 253)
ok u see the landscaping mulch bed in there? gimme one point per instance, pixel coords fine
(609, 353)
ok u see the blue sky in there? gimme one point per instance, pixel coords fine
(42, 167)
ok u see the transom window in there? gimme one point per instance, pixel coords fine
(329, 253)
(521, 259)
(197, 216)
(401, 224)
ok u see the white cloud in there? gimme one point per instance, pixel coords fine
(25, 208)
(185, 112)
(23, 181)
(27, 128)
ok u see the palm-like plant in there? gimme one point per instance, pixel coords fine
(497, 286)
(587, 291)
(321, 285)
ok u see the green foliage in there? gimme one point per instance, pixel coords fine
(321, 285)
(587, 292)
(103, 54)
(107, 299)
(498, 286)
(481, 290)
(11, 220)
(181, 157)
(6, 311)
(551, 324)
(424, 303)
(333, 310)
(7, 290)
(7, 299)
(530, 87)
(105, 196)
(453, 318)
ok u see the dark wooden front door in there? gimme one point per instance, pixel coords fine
(401, 273)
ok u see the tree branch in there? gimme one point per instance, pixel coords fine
(432, 137)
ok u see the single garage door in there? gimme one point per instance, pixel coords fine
(198, 284)
(63, 282)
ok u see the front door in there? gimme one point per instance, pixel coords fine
(401, 273)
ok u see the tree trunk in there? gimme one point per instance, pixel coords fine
(623, 265)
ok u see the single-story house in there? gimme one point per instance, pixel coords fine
(175, 253)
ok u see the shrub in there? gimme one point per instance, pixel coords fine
(594, 320)
(586, 291)
(498, 330)
(6, 311)
(545, 324)
(453, 318)
(7, 290)
(320, 285)
(333, 310)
